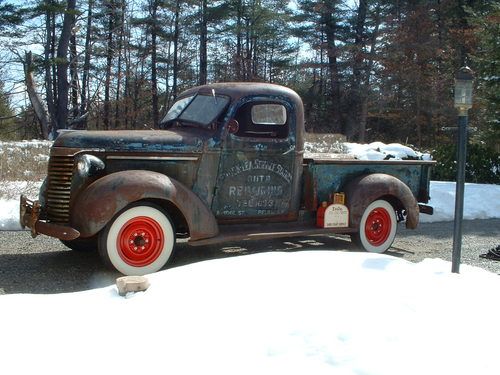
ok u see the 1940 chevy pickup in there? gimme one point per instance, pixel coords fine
(228, 164)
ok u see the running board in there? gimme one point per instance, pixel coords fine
(248, 232)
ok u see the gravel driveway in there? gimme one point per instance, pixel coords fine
(44, 265)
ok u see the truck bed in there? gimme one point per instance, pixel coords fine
(331, 171)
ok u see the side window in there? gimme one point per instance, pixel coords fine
(262, 120)
(268, 114)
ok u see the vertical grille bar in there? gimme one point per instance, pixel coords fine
(59, 188)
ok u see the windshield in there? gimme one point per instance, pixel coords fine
(177, 108)
(199, 109)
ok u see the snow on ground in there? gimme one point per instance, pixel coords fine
(272, 313)
(13, 146)
(9, 214)
(481, 201)
(314, 312)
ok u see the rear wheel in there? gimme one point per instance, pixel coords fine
(139, 240)
(377, 228)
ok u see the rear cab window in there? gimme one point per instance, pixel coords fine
(263, 120)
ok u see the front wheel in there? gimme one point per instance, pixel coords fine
(377, 228)
(138, 241)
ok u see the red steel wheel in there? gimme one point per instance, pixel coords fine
(377, 228)
(138, 241)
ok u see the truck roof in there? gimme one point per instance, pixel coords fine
(236, 90)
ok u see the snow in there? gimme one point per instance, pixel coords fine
(315, 312)
(15, 145)
(381, 151)
(481, 201)
(310, 312)
(9, 214)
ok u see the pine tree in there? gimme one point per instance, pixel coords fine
(487, 68)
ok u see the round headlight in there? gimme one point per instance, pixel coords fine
(82, 165)
(88, 165)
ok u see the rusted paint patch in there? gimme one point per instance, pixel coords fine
(363, 190)
(103, 199)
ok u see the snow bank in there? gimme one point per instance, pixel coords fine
(9, 215)
(272, 313)
(481, 201)
(34, 143)
(9, 201)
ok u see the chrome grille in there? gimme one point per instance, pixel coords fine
(59, 188)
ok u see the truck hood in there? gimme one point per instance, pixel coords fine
(136, 140)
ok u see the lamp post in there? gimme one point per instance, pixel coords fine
(463, 102)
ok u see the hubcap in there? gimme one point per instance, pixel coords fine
(140, 241)
(378, 226)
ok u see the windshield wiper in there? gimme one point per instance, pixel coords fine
(215, 97)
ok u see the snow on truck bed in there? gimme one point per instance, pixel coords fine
(327, 150)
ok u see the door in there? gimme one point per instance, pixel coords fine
(257, 176)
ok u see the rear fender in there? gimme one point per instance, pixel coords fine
(107, 196)
(363, 190)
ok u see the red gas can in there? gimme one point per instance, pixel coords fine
(320, 215)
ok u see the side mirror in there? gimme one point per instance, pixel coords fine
(233, 126)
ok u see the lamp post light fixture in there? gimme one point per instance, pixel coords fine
(464, 82)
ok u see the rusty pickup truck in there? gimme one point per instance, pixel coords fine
(228, 164)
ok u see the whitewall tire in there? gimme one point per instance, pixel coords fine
(138, 241)
(377, 228)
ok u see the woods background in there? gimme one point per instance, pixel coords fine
(369, 69)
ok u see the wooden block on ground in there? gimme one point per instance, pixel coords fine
(128, 284)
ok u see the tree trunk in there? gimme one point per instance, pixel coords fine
(109, 61)
(239, 57)
(330, 33)
(175, 66)
(73, 70)
(366, 87)
(203, 43)
(49, 76)
(154, 79)
(119, 65)
(84, 100)
(36, 101)
(357, 130)
(128, 74)
(62, 65)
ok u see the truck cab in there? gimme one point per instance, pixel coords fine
(227, 164)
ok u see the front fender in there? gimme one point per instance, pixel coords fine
(363, 190)
(105, 197)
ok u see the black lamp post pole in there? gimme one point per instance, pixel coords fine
(459, 195)
(463, 102)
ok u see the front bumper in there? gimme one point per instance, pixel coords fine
(29, 212)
